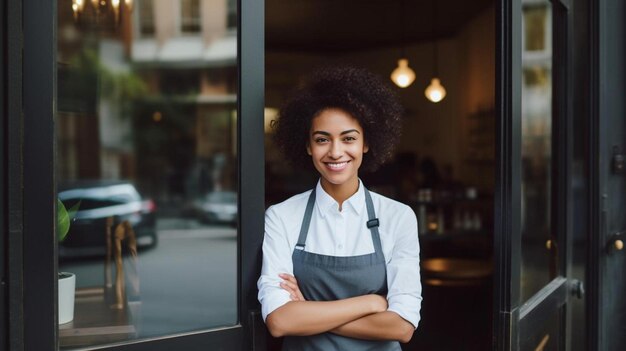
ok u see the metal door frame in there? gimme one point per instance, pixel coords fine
(30, 184)
(607, 88)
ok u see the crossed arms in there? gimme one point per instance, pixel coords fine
(361, 317)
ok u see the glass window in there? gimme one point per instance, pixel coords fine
(536, 29)
(232, 14)
(146, 135)
(146, 17)
(190, 16)
(538, 242)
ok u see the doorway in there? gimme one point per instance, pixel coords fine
(444, 165)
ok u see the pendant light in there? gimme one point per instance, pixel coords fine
(435, 92)
(403, 75)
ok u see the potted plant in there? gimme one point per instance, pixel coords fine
(67, 281)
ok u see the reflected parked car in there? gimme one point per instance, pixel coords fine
(100, 200)
(218, 207)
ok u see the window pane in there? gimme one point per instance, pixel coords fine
(536, 27)
(190, 16)
(146, 133)
(146, 17)
(538, 245)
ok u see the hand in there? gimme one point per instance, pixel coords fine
(379, 303)
(291, 285)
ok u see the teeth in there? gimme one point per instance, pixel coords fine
(336, 165)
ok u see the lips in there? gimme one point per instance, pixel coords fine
(336, 166)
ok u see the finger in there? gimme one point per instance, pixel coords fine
(289, 277)
(286, 286)
(300, 296)
(295, 288)
(291, 285)
(293, 295)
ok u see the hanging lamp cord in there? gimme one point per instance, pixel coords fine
(434, 36)
(403, 28)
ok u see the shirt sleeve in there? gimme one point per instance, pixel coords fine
(403, 271)
(276, 260)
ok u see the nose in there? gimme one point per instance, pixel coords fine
(336, 151)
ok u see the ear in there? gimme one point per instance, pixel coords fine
(366, 148)
(308, 149)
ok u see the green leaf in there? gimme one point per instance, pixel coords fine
(64, 217)
(72, 211)
(63, 221)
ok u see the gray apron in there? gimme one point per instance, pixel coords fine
(327, 278)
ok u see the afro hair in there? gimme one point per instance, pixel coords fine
(362, 94)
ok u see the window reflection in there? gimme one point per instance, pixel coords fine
(146, 145)
(146, 17)
(536, 27)
(537, 244)
(190, 16)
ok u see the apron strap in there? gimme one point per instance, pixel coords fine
(373, 222)
(306, 221)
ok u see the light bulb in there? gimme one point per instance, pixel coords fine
(435, 92)
(403, 75)
(116, 8)
(77, 7)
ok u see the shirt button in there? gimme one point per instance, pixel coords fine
(340, 247)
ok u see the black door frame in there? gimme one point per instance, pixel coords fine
(507, 180)
(3, 166)
(608, 86)
(28, 136)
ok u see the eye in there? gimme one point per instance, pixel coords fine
(320, 140)
(349, 139)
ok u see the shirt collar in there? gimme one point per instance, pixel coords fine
(326, 204)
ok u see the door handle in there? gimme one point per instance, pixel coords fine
(616, 242)
(577, 288)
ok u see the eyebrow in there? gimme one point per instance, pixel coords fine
(342, 133)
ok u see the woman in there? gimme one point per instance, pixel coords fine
(340, 264)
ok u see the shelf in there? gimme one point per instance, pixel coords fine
(96, 321)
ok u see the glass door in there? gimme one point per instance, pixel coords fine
(143, 120)
(533, 231)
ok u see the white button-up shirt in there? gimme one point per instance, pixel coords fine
(343, 233)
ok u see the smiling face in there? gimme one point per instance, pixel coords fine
(336, 145)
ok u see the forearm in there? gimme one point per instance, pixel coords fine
(303, 318)
(378, 326)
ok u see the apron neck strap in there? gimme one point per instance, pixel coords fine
(372, 223)
(306, 221)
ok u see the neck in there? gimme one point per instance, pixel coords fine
(341, 192)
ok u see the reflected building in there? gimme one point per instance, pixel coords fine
(147, 92)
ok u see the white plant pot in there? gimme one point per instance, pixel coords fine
(67, 289)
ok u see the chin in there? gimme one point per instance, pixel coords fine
(338, 179)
